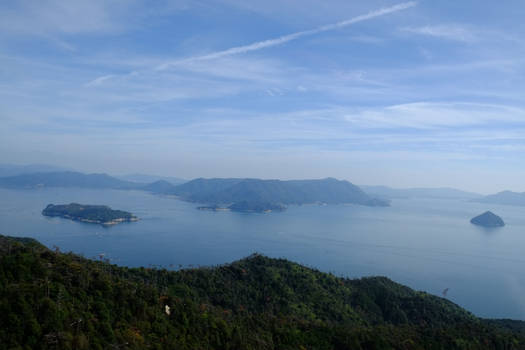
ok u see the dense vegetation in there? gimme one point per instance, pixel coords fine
(99, 214)
(259, 193)
(51, 300)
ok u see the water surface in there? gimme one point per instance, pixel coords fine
(427, 244)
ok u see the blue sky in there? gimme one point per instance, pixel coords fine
(426, 93)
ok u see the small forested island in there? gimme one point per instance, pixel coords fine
(488, 219)
(214, 207)
(246, 207)
(52, 300)
(256, 207)
(95, 214)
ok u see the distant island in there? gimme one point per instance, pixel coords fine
(95, 214)
(213, 207)
(246, 207)
(257, 195)
(488, 219)
(505, 198)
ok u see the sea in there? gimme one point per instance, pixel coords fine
(427, 244)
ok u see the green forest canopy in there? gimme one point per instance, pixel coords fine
(52, 300)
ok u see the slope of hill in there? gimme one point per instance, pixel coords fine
(66, 179)
(50, 300)
(160, 186)
(505, 198)
(228, 191)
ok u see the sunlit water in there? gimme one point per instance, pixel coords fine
(427, 244)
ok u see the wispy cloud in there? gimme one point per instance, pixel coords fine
(190, 62)
(450, 32)
(290, 37)
(99, 80)
(437, 115)
(45, 18)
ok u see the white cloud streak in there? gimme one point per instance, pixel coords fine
(290, 37)
(99, 80)
(450, 32)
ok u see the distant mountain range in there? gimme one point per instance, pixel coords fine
(505, 198)
(15, 169)
(444, 192)
(67, 179)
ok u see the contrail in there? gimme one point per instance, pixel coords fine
(290, 37)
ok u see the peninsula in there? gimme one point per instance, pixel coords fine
(94, 214)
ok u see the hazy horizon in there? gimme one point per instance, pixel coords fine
(60, 168)
(402, 94)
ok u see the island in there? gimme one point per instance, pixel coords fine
(246, 207)
(93, 214)
(213, 207)
(263, 196)
(256, 207)
(488, 219)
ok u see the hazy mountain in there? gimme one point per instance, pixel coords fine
(444, 192)
(328, 190)
(66, 179)
(15, 169)
(144, 178)
(160, 186)
(505, 197)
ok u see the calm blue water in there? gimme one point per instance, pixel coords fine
(427, 244)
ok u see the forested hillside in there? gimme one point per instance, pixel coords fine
(52, 300)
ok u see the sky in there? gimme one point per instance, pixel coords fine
(378, 92)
